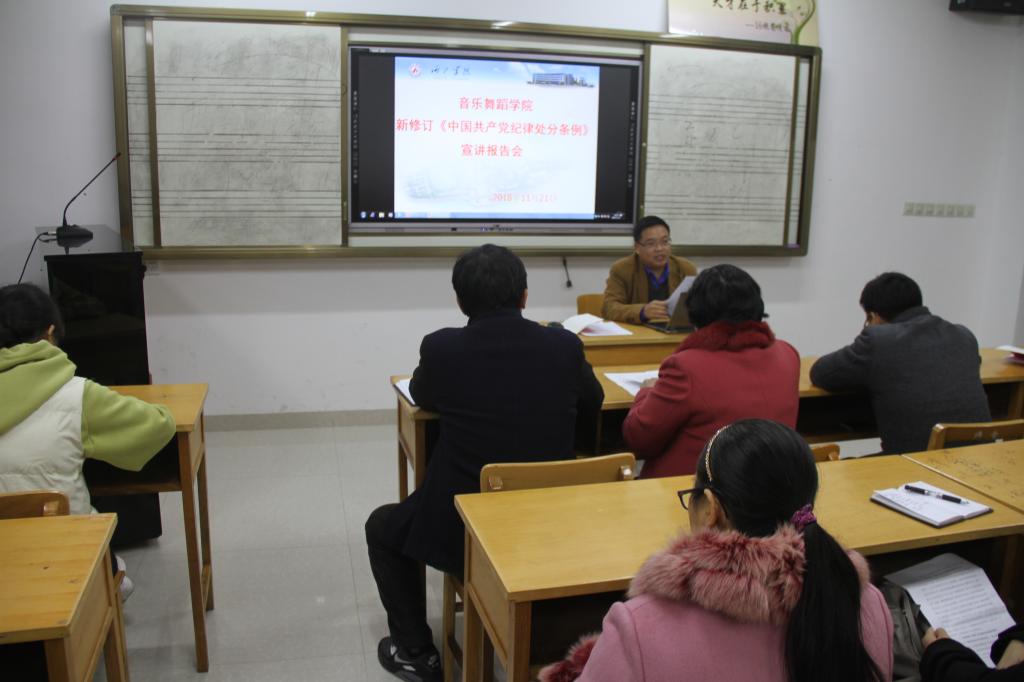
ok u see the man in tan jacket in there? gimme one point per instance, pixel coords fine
(639, 285)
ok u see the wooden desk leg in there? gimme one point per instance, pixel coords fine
(195, 579)
(58, 660)
(204, 537)
(403, 474)
(487, 655)
(115, 652)
(1010, 550)
(419, 457)
(403, 471)
(1015, 409)
(472, 639)
(519, 647)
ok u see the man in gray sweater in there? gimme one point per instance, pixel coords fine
(918, 368)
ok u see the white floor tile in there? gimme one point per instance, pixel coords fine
(294, 596)
(272, 461)
(264, 512)
(327, 669)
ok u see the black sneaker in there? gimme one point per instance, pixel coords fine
(425, 667)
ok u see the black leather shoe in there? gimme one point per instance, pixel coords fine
(424, 667)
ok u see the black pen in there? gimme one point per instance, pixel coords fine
(932, 493)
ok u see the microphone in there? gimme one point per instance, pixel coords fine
(69, 236)
(568, 281)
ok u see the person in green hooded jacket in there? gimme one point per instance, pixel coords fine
(51, 420)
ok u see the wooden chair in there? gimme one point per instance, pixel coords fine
(590, 303)
(521, 476)
(825, 452)
(526, 475)
(980, 432)
(32, 503)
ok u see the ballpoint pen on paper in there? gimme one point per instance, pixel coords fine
(932, 493)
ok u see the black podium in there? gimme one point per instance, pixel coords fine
(100, 297)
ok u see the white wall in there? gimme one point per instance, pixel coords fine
(918, 104)
(1006, 250)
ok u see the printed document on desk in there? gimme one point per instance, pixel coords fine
(1016, 353)
(403, 387)
(592, 325)
(956, 595)
(931, 510)
(630, 381)
(673, 299)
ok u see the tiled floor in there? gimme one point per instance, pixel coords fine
(294, 596)
(295, 599)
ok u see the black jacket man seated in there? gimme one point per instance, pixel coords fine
(507, 390)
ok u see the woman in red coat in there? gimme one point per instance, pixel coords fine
(731, 368)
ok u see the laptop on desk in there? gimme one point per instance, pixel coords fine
(679, 323)
(679, 316)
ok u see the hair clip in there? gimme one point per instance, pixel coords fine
(707, 456)
(803, 517)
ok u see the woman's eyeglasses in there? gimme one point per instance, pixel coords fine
(686, 496)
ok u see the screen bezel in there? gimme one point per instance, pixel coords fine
(569, 228)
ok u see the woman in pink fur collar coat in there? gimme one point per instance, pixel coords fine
(758, 592)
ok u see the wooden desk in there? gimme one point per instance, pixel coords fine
(645, 346)
(994, 371)
(993, 469)
(823, 415)
(189, 472)
(532, 545)
(413, 423)
(58, 588)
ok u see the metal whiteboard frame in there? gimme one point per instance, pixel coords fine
(476, 28)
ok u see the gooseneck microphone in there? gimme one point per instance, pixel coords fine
(70, 236)
(66, 236)
(65, 221)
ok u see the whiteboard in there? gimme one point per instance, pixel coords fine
(725, 141)
(248, 120)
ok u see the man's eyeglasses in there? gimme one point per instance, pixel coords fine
(686, 496)
(655, 243)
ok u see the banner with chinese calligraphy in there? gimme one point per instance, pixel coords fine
(776, 21)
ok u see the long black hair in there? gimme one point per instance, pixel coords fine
(26, 313)
(762, 472)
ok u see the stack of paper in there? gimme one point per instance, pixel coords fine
(1016, 353)
(673, 299)
(928, 508)
(956, 595)
(403, 387)
(592, 325)
(631, 380)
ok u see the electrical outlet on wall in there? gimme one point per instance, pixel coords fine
(930, 210)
